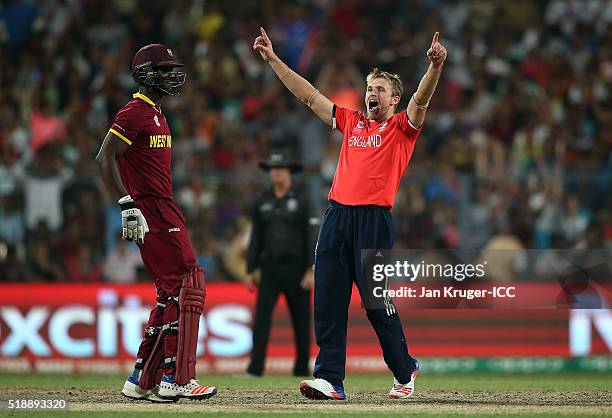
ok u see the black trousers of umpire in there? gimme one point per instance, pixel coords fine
(281, 276)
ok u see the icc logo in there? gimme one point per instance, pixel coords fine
(169, 52)
(156, 120)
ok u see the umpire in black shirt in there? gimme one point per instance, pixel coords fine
(281, 246)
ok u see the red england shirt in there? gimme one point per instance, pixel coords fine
(373, 158)
(145, 166)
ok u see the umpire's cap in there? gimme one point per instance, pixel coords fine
(280, 159)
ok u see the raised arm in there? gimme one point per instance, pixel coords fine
(299, 86)
(417, 106)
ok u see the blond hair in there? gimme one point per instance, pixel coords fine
(393, 79)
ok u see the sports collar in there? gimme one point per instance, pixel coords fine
(144, 98)
(381, 122)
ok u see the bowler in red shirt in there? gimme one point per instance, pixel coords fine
(376, 149)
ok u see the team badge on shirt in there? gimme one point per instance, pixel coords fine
(156, 119)
(292, 205)
(359, 127)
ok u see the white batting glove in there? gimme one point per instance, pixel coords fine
(132, 220)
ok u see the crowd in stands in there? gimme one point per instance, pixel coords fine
(516, 149)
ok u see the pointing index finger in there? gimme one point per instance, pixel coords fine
(264, 34)
(435, 38)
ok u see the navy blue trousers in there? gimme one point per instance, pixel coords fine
(345, 231)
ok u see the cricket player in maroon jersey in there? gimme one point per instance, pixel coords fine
(376, 149)
(135, 164)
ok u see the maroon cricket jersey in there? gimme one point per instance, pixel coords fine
(145, 166)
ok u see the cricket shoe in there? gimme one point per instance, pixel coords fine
(169, 389)
(321, 389)
(131, 390)
(155, 398)
(403, 391)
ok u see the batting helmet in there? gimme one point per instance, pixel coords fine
(149, 63)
